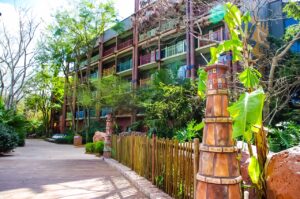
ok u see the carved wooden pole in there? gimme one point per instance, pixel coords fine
(218, 176)
(107, 141)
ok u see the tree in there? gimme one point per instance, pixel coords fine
(16, 57)
(169, 103)
(74, 35)
(44, 93)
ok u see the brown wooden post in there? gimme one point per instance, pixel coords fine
(107, 141)
(153, 158)
(218, 175)
(196, 163)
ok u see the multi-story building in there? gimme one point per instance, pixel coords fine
(181, 39)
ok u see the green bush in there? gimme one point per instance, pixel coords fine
(98, 147)
(89, 147)
(8, 138)
(65, 140)
(286, 135)
(21, 135)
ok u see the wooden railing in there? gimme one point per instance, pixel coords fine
(170, 165)
(109, 51)
(109, 71)
(124, 44)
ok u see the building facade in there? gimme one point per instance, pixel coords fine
(181, 39)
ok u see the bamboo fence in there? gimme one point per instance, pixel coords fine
(170, 165)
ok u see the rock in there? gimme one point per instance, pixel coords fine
(283, 174)
(99, 136)
(77, 141)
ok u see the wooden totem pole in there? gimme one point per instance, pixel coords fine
(107, 141)
(218, 176)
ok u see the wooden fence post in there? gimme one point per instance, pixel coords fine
(196, 163)
(153, 158)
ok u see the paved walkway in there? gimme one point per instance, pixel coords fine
(46, 170)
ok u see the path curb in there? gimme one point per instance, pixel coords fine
(141, 183)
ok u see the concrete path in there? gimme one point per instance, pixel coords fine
(46, 170)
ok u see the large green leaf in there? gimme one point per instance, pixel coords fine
(202, 82)
(247, 112)
(254, 170)
(250, 77)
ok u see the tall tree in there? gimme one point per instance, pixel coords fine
(73, 37)
(44, 92)
(16, 56)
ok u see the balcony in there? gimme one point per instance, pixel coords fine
(83, 64)
(217, 35)
(149, 34)
(105, 111)
(148, 58)
(125, 44)
(94, 75)
(80, 114)
(109, 71)
(145, 82)
(95, 58)
(92, 113)
(109, 51)
(126, 65)
(178, 48)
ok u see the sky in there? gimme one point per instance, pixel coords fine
(43, 9)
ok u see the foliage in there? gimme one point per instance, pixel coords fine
(202, 82)
(169, 103)
(89, 147)
(15, 121)
(254, 170)
(286, 135)
(247, 114)
(68, 139)
(8, 138)
(44, 94)
(192, 130)
(98, 147)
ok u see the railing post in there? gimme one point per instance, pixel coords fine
(153, 158)
(196, 163)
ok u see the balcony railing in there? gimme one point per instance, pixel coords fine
(92, 113)
(145, 82)
(109, 51)
(124, 44)
(80, 114)
(83, 63)
(148, 58)
(178, 48)
(95, 58)
(105, 111)
(94, 75)
(124, 65)
(109, 71)
(217, 35)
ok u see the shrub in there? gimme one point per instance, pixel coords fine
(8, 139)
(285, 136)
(89, 147)
(98, 147)
(68, 139)
(21, 135)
